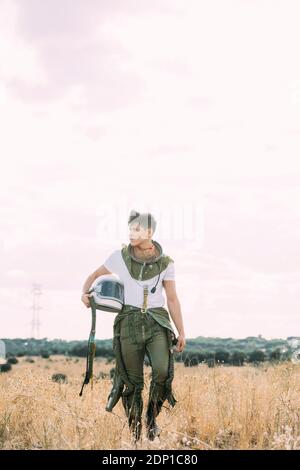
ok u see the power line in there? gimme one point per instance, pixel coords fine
(36, 307)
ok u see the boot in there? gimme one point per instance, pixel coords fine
(153, 429)
(133, 405)
(135, 427)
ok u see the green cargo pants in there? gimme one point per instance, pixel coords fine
(144, 336)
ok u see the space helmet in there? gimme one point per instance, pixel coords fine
(107, 293)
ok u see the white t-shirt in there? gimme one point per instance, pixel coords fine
(133, 289)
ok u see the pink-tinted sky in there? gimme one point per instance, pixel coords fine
(188, 109)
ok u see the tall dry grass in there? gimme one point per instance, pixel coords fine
(218, 408)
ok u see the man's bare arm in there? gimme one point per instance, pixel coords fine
(174, 304)
(175, 312)
(91, 278)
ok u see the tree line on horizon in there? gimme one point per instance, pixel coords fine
(212, 351)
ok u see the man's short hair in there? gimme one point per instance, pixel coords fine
(145, 219)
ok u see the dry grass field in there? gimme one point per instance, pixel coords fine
(218, 408)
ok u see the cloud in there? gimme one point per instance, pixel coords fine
(72, 51)
(63, 19)
(105, 106)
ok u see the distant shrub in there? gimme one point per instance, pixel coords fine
(257, 356)
(29, 359)
(210, 361)
(59, 378)
(12, 360)
(237, 358)
(191, 361)
(45, 355)
(5, 367)
(102, 375)
(222, 356)
(275, 355)
(79, 350)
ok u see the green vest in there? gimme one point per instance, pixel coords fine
(144, 270)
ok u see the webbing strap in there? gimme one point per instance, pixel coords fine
(91, 350)
(146, 293)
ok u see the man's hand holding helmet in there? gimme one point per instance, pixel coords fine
(85, 299)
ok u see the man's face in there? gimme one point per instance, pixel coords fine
(137, 233)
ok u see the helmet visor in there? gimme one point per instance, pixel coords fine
(109, 289)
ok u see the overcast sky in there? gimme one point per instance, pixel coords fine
(188, 109)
